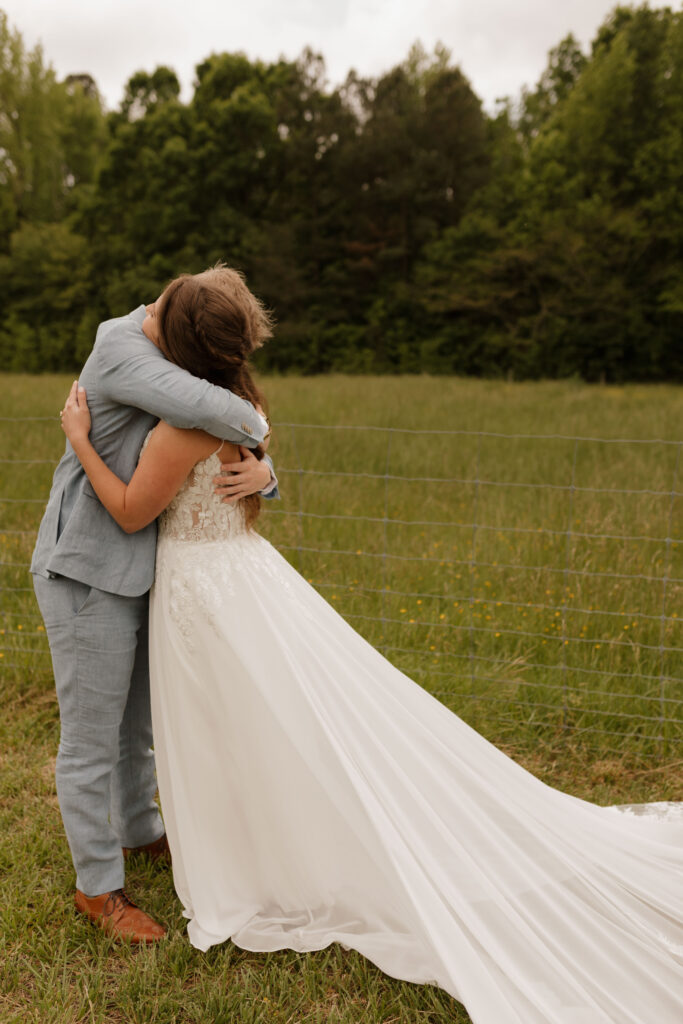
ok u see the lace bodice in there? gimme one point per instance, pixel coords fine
(196, 514)
(203, 548)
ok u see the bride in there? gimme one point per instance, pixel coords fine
(312, 793)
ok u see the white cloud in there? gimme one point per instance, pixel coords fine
(500, 46)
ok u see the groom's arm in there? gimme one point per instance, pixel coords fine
(271, 488)
(233, 482)
(134, 372)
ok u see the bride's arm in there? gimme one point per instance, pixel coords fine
(164, 465)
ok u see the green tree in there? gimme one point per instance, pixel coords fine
(144, 91)
(605, 172)
(31, 167)
(565, 64)
(48, 324)
(82, 130)
(391, 223)
(580, 271)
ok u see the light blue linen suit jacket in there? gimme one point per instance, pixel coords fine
(130, 385)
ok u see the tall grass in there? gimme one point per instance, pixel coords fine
(568, 665)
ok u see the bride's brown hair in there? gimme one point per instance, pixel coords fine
(209, 324)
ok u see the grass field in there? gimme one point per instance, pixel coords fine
(539, 624)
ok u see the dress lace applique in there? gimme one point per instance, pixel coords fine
(196, 514)
(203, 545)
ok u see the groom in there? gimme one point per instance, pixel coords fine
(92, 580)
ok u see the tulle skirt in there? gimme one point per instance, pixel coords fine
(313, 793)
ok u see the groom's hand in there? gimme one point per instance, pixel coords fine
(242, 478)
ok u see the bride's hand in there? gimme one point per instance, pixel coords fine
(75, 415)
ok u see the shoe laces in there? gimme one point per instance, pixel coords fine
(116, 900)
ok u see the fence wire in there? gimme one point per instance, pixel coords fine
(632, 688)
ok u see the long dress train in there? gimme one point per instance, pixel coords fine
(313, 793)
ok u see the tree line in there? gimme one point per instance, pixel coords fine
(391, 223)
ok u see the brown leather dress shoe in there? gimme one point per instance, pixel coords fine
(158, 850)
(117, 915)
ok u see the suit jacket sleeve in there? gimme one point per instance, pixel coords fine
(134, 372)
(271, 490)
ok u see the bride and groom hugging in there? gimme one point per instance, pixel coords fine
(312, 793)
(92, 581)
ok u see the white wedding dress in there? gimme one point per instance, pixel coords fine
(312, 793)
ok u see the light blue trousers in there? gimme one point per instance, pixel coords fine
(106, 781)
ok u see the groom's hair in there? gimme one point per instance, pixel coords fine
(209, 324)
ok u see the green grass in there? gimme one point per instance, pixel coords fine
(531, 694)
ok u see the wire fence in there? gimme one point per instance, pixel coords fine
(531, 582)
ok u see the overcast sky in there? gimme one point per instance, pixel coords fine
(501, 45)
